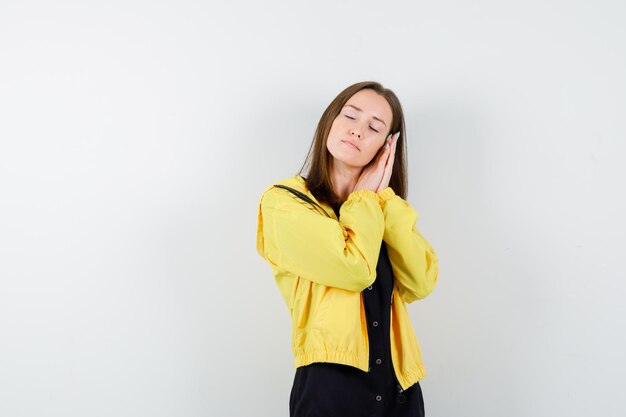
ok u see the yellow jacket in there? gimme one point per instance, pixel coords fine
(322, 264)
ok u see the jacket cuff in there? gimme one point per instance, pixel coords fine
(363, 193)
(386, 194)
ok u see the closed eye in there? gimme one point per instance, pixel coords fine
(352, 118)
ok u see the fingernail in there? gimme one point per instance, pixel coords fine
(398, 136)
(387, 145)
(388, 137)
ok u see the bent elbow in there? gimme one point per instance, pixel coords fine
(422, 291)
(362, 278)
(363, 284)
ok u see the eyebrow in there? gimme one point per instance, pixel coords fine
(373, 117)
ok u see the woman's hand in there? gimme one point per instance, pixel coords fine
(384, 183)
(374, 173)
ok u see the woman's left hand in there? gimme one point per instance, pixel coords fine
(384, 183)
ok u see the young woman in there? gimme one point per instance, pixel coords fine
(347, 257)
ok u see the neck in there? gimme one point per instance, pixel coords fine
(344, 179)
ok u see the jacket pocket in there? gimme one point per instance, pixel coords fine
(301, 305)
(323, 301)
(339, 318)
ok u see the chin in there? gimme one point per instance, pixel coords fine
(352, 162)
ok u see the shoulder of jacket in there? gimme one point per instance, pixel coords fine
(295, 181)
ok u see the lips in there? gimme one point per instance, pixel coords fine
(351, 144)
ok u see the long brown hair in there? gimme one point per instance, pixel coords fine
(318, 179)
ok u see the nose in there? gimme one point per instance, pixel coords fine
(355, 132)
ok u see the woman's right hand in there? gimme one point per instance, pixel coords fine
(372, 174)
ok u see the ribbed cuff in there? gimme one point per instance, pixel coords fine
(386, 194)
(363, 193)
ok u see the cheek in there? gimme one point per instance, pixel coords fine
(336, 126)
(333, 135)
(376, 147)
(373, 151)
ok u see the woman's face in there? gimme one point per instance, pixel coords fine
(365, 120)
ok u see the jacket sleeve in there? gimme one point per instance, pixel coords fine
(414, 262)
(343, 254)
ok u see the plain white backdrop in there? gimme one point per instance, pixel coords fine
(136, 138)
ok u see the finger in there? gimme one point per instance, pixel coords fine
(389, 147)
(384, 182)
(392, 153)
(384, 157)
(383, 148)
(386, 175)
(390, 159)
(392, 150)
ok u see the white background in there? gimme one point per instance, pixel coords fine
(136, 139)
